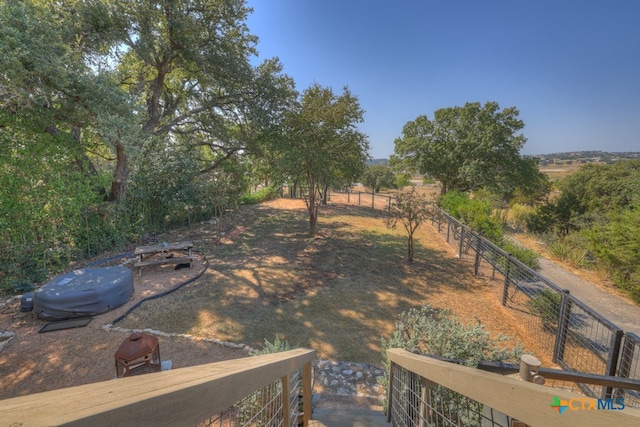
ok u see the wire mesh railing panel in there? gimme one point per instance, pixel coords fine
(630, 368)
(264, 408)
(588, 342)
(537, 309)
(295, 396)
(418, 402)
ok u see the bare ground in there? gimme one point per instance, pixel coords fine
(35, 362)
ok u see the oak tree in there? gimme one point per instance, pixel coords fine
(466, 148)
(322, 142)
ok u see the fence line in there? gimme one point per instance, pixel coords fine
(576, 336)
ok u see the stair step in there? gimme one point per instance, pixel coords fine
(347, 411)
(345, 417)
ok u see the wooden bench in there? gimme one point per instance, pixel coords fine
(148, 255)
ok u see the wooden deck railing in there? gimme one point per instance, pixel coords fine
(181, 397)
(424, 391)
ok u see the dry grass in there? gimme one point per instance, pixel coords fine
(597, 277)
(337, 292)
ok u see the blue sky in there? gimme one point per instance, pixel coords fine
(572, 68)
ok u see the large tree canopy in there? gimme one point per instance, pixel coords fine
(466, 148)
(322, 143)
(123, 75)
(376, 177)
(148, 103)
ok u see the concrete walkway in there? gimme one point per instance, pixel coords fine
(619, 311)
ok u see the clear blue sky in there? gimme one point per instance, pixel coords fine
(572, 67)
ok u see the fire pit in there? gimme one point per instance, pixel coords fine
(138, 354)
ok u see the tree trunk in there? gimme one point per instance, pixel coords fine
(120, 175)
(410, 248)
(325, 191)
(313, 220)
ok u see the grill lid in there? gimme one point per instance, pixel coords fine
(136, 346)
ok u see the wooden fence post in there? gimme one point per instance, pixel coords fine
(529, 366)
(307, 376)
(390, 401)
(286, 401)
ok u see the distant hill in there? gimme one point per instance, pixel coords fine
(584, 157)
(378, 162)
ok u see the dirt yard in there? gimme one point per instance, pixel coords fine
(34, 362)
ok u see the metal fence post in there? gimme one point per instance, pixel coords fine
(448, 229)
(505, 291)
(612, 360)
(476, 266)
(461, 241)
(563, 327)
(626, 359)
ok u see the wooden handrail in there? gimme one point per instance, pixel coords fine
(180, 397)
(524, 401)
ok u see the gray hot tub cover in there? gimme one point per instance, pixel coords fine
(83, 292)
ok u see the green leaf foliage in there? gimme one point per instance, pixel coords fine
(376, 177)
(616, 244)
(123, 118)
(411, 210)
(428, 330)
(322, 144)
(470, 147)
(596, 188)
(475, 213)
(599, 204)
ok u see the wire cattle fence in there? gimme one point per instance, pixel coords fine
(576, 336)
(265, 407)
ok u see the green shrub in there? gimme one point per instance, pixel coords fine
(475, 213)
(546, 305)
(436, 332)
(524, 255)
(520, 216)
(616, 245)
(277, 346)
(559, 249)
(402, 180)
(262, 195)
(428, 330)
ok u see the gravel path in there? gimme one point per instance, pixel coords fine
(617, 310)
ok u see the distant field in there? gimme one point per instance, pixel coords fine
(560, 170)
(561, 165)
